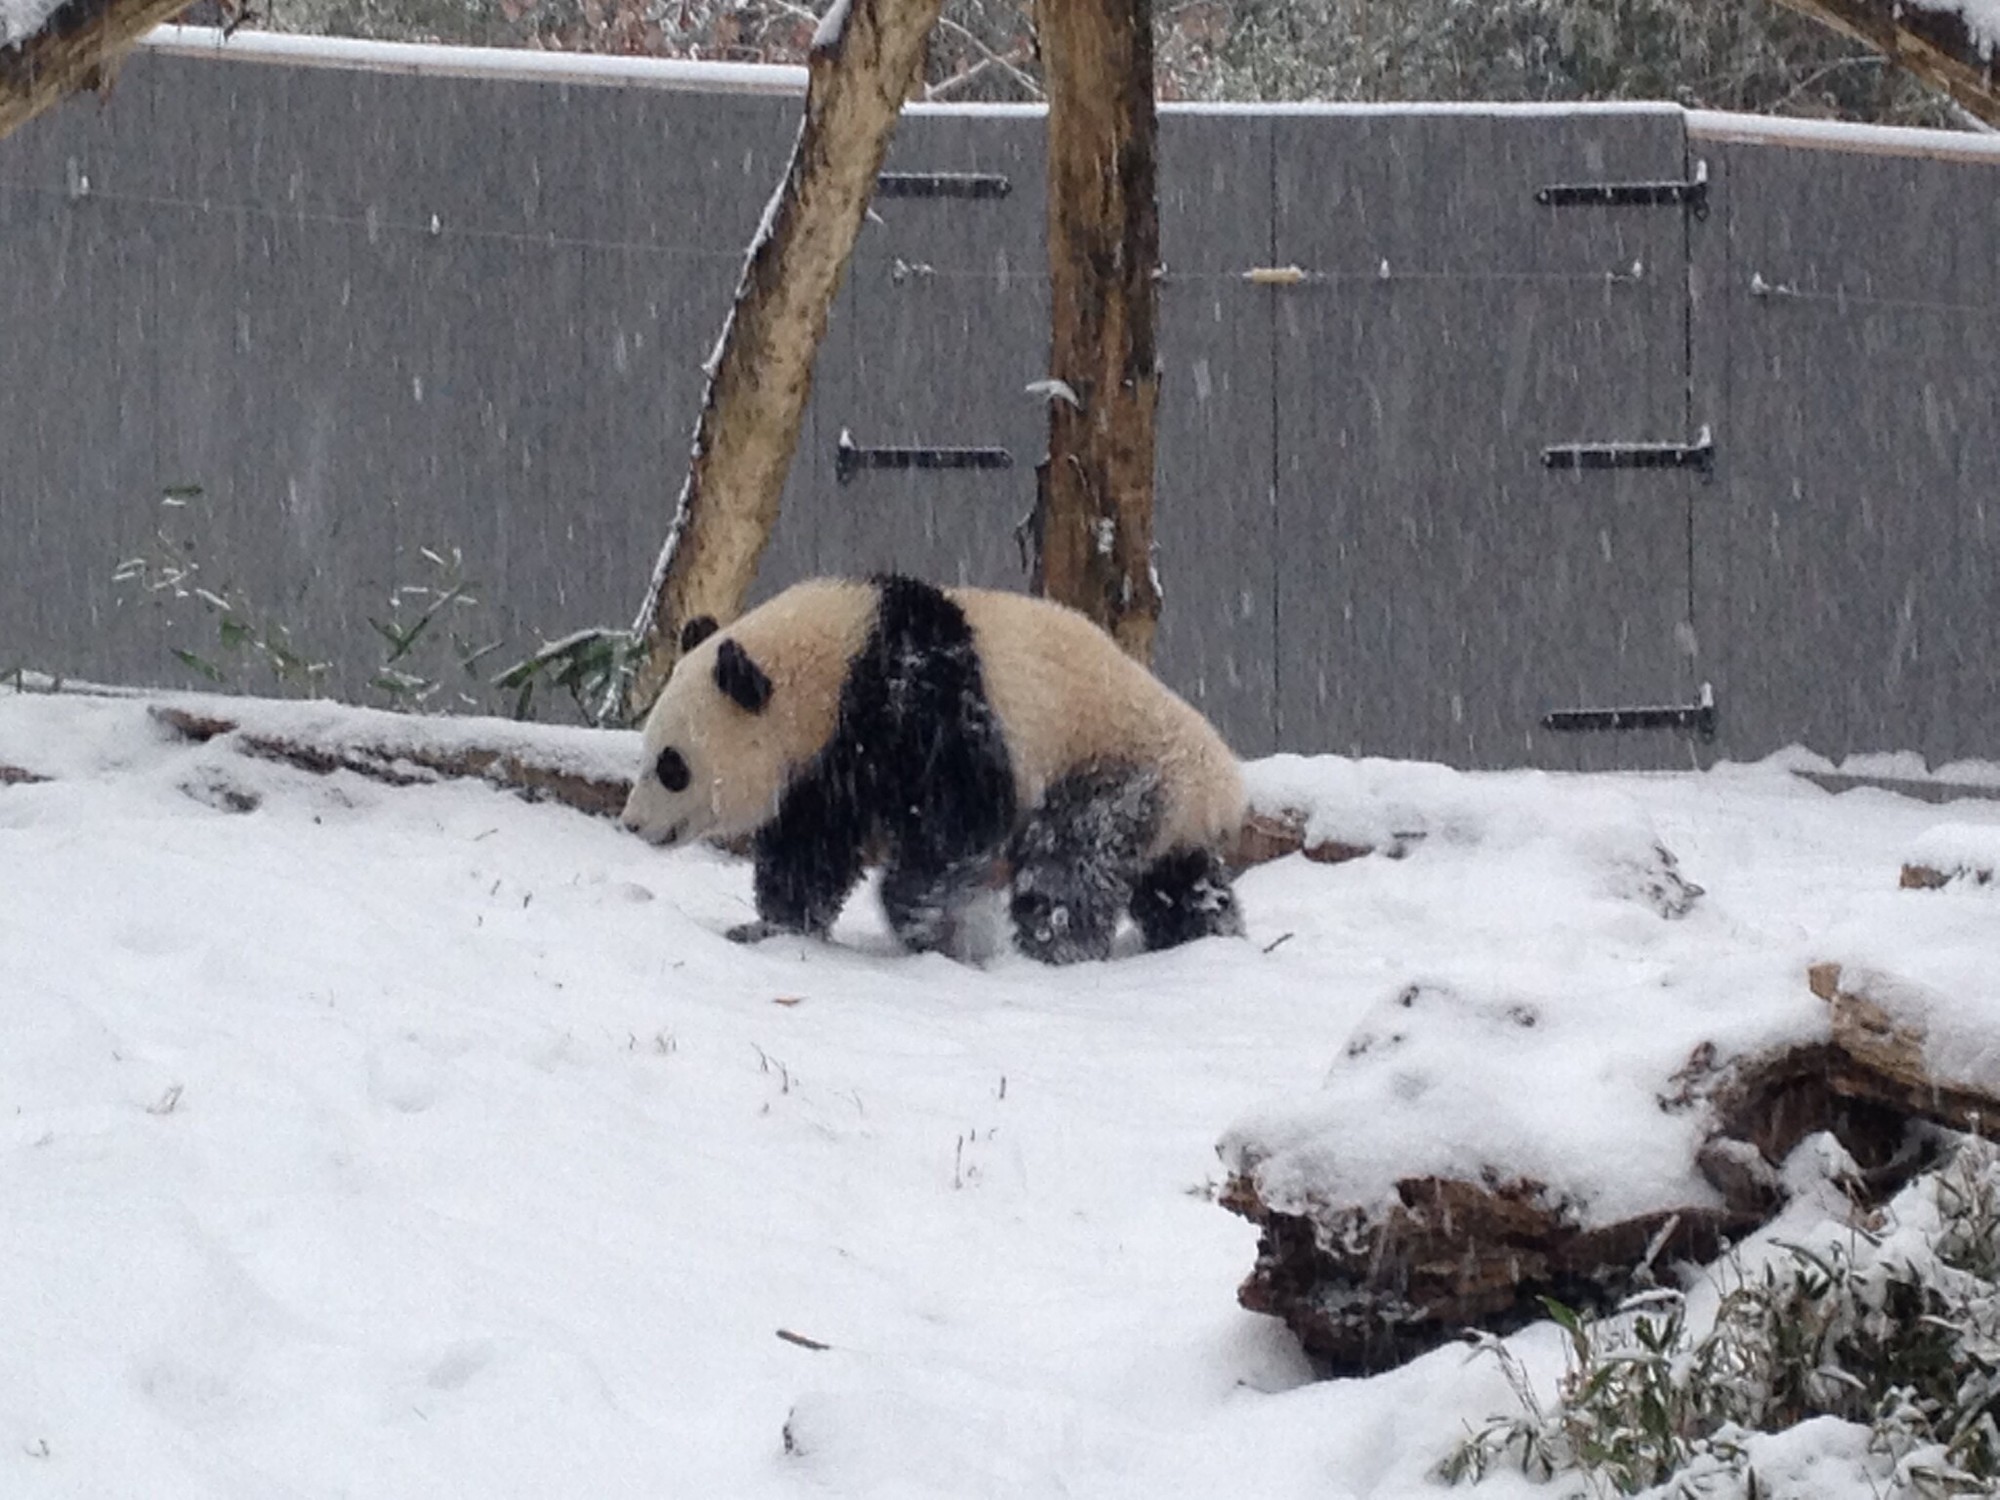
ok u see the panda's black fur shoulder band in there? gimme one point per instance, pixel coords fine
(917, 761)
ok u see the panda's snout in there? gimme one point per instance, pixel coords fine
(661, 837)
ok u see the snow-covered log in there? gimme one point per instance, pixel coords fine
(580, 768)
(1946, 43)
(1369, 1273)
(75, 46)
(1093, 529)
(865, 58)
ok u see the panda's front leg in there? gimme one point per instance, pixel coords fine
(808, 858)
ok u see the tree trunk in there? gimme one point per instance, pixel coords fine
(862, 65)
(75, 49)
(1094, 491)
(1935, 46)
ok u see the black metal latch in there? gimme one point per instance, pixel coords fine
(1692, 193)
(942, 185)
(850, 458)
(1700, 454)
(1697, 718)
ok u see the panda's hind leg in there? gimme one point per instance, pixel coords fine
(1184, 895)
(1075, 860)
(928, 903)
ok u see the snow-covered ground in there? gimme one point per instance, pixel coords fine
(423, 1142)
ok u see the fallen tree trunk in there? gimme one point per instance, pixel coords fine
(404, 760)
(1930, 43)
(862, 65)
(76, 48)
(1366, 1287)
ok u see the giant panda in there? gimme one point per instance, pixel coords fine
(963, 738)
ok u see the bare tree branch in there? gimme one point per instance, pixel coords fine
(863, 64)
(1934, 45)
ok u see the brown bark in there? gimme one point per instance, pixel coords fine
(1932, 45)
(76, 48)
(762, 375)
(1094, 491)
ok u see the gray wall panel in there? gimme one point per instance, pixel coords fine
(79, 323)
(1439, 590)
(1852, 555)
(949, 311)
(1214, 496)
(370, 313)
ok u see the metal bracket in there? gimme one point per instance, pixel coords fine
(1692, 193)
(942, 185)
(850, 458)
(1697, 718)
(1700, 454)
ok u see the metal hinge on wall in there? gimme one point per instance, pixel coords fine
(1692, 193)
(1700, 454)
(1696, 718)
(850, 458)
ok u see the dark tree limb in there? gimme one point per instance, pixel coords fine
(76, 48)
(858, 75)
(1094, 491)
(1934, 46)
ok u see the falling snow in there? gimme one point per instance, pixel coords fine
(411, 1141)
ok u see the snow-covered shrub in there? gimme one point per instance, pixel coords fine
(1894, 1329)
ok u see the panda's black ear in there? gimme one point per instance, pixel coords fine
(741, 678)
(697, 630)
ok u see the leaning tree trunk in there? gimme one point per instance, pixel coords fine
(75, 48)
(1933, 45)
(862, 65)
(1094, 499)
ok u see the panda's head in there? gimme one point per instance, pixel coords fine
(709, 765)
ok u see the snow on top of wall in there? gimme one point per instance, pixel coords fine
(437, 60)
(21, 19)
(678, 73)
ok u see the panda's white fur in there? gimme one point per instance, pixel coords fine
(1069, 698)
(741, 762)
(1066, 699)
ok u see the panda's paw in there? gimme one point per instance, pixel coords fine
(757, 931)
(1056, 931)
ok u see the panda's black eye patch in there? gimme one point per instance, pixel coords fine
(672, 769)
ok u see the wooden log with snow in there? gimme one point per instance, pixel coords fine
(1952, 854)
(1948, 44)
(76, 46)
(1371, 1260)
(864, 60)
(584, 769)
